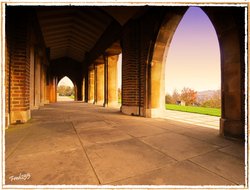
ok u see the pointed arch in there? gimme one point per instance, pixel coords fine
(229, 27)
(66, 89)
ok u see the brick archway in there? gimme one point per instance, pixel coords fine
(229, 26)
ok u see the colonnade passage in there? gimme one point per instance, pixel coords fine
(91, 142)
(45, 43)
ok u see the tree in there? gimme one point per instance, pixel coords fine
(214, 101)
(188, 96)
(175, 96)
(65, 90)
(169, 99)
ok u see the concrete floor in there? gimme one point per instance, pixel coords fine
(79, 143)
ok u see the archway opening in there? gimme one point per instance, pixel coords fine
(65, 90)
(192, 68)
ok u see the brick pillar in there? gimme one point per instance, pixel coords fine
(37, 79)
(86, 86)
(132, 71)
(42, 85)
(32, 78)
(83, 89)
(52, 94)
(100, 84)
(78, 87)
(7, 81)
(112, 81)
(91, 86)
(19, 65)
(95, 83)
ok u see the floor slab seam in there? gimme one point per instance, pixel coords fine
(152, 135)
(192, 138)
(211, 171)
(202, 140)
(85, 153)
(230, 154)
(125, 131)
(15, 148)
(156, 149)
(142, 173)
(48, 152)
(107, 143)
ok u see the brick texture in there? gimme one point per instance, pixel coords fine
(18, 59)
(138, 37)
(130, 83)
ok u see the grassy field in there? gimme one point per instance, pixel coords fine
(194, 109)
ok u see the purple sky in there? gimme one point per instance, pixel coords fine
(193, 58)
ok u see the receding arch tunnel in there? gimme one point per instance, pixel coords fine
(84, 43)
(94, 140)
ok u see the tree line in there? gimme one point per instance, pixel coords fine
(63, 90)
(189, 97)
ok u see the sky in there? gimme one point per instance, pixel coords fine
(65, 81)
(193, 58)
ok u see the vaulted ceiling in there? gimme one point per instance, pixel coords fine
(73, 31)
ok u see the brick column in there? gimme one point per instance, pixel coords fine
(7, 80)
(52, 94)
(91, 86)
(132, 71)
(100, 84)
(86, 86)
(37, 79)
(17, 33)
(78, 87)
(83, 89)
(42, 85)
(112, 81)
(32, 77)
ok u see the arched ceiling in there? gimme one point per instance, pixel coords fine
(73, 31)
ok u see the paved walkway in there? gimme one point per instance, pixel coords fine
(79, 143)
(193, 118)
(64, 99)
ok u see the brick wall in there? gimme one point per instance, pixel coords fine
(138, 37)
(7, 70)
(130, 82)
(20, 22)
(17, 35)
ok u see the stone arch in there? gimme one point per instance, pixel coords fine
(229, 26)
(157, 66)
(61, 77)
(72, 81)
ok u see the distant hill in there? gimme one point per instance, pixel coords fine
(204, 95)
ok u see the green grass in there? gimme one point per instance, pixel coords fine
(194, 109)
